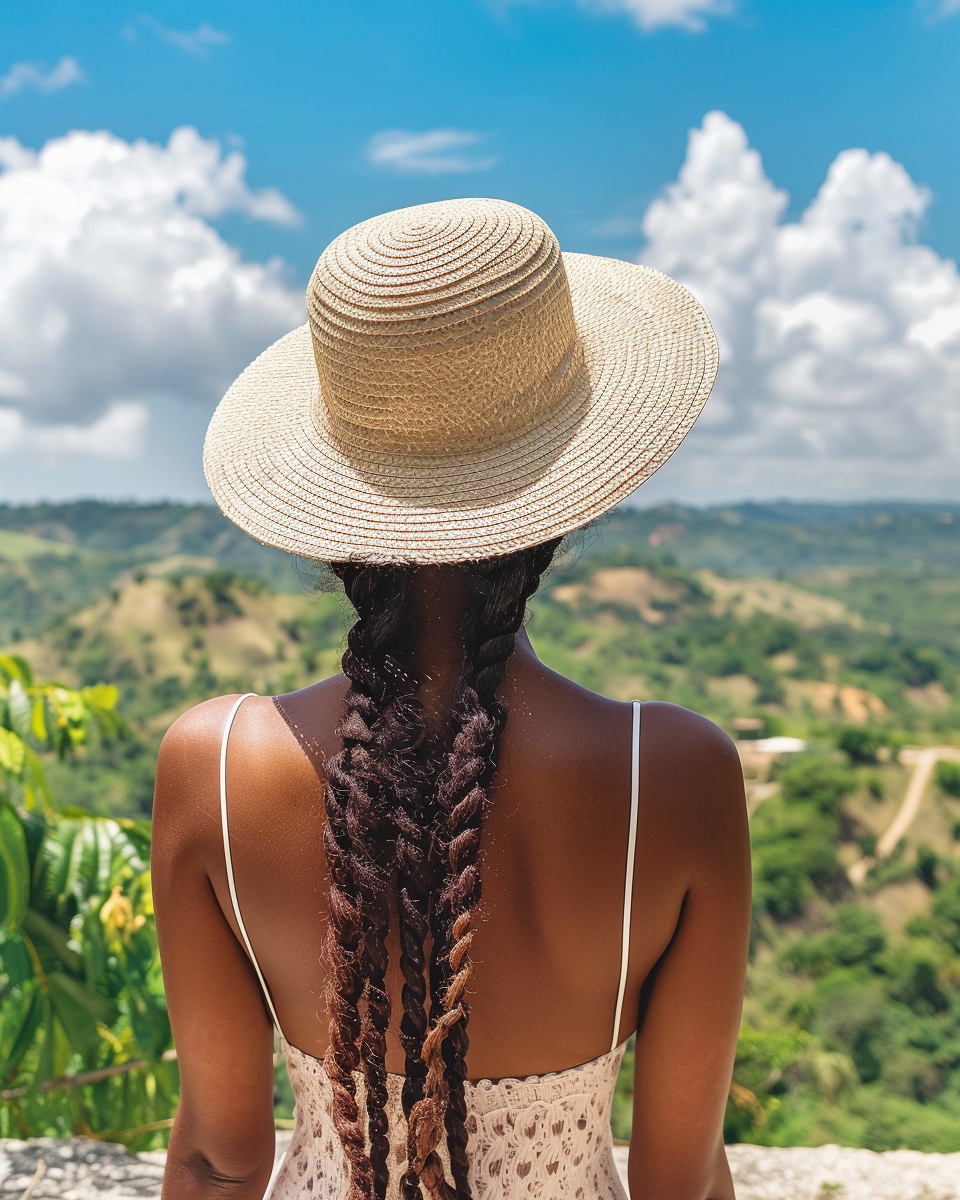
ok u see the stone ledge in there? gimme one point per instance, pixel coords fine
(82, 1169)
(837, 1173)
(77, 1169)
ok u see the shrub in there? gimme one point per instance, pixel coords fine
(81, 989)
(919, 666)
(855, 936)
(795, 857)
(817, 781)
(945, 912)
(767, 1062)
(859, 744)
(914, 968)
(868, 844)
(220, 584)
(947, 775)
(927, 863)
(852, 1015)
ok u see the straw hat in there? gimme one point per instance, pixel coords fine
(461, 389)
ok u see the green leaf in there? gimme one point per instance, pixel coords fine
(15, 963)
(38, 720)
(139, 833)
(102, 695)
(20, 708)
(84, 857)
(51, 867)
(45, 933)
(12, 752)
(12, 666)
(37, 785)
(79, 1010)
(14, 870)
(45, 1059)
(149, 1021)
(26, 1033)
(34, 830)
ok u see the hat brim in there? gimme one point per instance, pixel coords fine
(277, 471)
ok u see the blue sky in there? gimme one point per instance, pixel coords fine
(580, 111)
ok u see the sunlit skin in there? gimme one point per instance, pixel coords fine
(547, 950)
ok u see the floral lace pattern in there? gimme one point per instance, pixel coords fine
(545, 1137)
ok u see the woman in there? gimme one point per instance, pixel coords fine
(507, 875)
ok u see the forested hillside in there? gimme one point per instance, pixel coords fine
(838, 626)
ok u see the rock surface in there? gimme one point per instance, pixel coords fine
(76, 1169)
(837, 1173)
(80, 1169)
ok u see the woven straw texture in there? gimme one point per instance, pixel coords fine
(462, 389)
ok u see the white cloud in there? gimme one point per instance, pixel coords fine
(116, 289)
(430, 153)
(656, 14)
(36, 76)
(649, 15)
(839, 333)
(938, 9)
(118, 433)
(196, 42)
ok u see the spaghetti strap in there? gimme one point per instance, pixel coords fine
(631, 859)
(228, 857)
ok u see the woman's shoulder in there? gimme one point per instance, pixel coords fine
(684, 731)
(262, 752)
(691, 779)
(200, 729)
(665, 728)
(689, 767)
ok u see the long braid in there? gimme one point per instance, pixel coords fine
(501, 589)
(359, 808)
(416, 881)
(413, 769)
(401, 810)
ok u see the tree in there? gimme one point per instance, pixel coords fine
(817, 781)
(855, 936)
(860, 744)
(794, 857)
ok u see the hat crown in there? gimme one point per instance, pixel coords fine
(445, 326)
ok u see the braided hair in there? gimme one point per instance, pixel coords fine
(405, 808)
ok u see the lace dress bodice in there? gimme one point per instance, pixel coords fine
(542, 1137)
(536, 1138)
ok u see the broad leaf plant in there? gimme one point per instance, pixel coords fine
(85, 1044)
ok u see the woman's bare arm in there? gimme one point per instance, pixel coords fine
(688, 1036)
(223, 1136)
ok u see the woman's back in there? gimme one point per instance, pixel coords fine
(452, 825)
(547, 949)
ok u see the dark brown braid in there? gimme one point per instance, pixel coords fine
(501, 588)
(404, 818)
(417, 879)
(359, 828)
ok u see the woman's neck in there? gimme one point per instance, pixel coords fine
(442, 601)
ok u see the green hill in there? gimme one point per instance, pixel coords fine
(836, 625)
